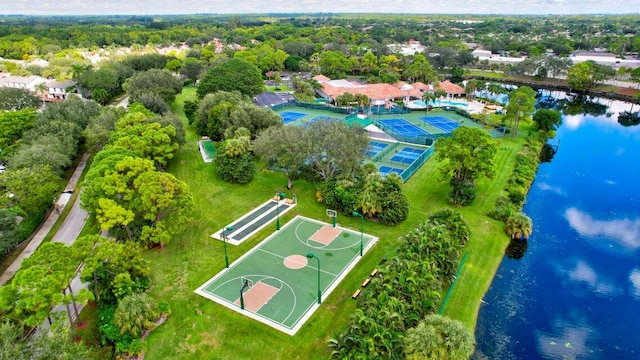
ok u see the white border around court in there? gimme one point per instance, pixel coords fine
(230, 240)
(312, 309)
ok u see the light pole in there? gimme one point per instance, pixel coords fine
(279, 196)
(355, 213)
(311, 256)
(224, 240)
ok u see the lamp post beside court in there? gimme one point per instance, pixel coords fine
(279, 196)
(311, 256)
(224, 240)
(355, 213)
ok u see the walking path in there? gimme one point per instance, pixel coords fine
(45, 228)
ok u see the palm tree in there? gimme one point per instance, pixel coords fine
(41, 88)
(519, 226)
(135, 314)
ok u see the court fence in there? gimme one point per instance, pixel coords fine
(417, 163)
(384, 152)
(428, 140)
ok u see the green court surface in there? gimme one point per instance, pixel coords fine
(209, 148)
(283, 277)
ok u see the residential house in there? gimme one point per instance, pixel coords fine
(22, 82)
(59, 90)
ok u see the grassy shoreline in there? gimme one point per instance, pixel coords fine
(200, 328)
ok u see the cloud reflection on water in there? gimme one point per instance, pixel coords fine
(624, 232)
(568, 342)
(634, 279)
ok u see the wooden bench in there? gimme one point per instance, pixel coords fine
(366, 282)
(288, 201)
(374, 272)
(356, 294)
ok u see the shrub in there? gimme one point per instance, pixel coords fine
(463, 192)
(517, 195)
(503, 210)
(395, 209)
(235, 169)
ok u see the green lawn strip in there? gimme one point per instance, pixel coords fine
(487, 242)
(200, 328)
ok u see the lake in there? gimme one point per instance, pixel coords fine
(575, 293)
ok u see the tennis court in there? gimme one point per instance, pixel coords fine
(386, 170)
(407, 155)
(441, 123)
(277, 281)
(403, 127)
(290, 116)
(375, 147)
(322, 118)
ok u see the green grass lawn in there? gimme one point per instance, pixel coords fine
(201, 329)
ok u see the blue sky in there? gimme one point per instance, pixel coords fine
(150, 7)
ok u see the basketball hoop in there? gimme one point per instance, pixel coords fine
(333, 215)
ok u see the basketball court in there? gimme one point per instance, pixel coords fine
(277, 281)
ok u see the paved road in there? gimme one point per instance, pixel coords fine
(45, 228)
(72, 225)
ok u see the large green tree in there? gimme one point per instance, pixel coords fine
(154, 81)
(233, 75)
(283, 148)
(333, 147)
(467, 155)
(106, 260)
(31, 189)
(17, 99)
(547, 120)
(521, 105)
(12, 125)
(234, 160)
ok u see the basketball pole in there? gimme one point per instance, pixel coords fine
(311, 256)
(355, 213)
(244, 286)
(224, 240)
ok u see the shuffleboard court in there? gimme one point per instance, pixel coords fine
(254, 221)
(277, 281)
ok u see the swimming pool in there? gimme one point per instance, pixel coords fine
(438, 103)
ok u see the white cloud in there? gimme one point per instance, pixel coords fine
(625, 232)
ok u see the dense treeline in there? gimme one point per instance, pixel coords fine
(301, 36)
(404, 292)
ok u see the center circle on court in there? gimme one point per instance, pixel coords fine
(295, 261)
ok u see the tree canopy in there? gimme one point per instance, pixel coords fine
(466, 155)
(233, 75)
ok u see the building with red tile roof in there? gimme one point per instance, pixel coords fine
(450, 88)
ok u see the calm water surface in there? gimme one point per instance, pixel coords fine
(575, 294)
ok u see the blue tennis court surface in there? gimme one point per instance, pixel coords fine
(386, 170)
(441, 123)
(320, 118)
(407, 155)
(403, 127)
(289, 116)
(375, 147)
